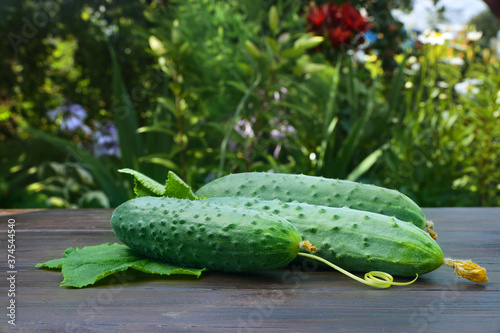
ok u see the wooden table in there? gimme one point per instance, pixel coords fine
(278, 301)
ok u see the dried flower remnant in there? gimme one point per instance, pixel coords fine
(467, 269)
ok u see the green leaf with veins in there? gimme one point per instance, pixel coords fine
(55, 264)
(144, 186)
(86, 266)
(175, 187)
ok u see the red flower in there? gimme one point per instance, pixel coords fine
(343, 23)
(339, 37)
(332, 10)
(316, 16)
(352, 18)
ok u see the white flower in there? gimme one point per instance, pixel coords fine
(474, 36)
(468, 87)
(443, 85)
(435, 38)
(360, 56)
(455, 61)
(412, 60)
(474, 82)
(415, 66)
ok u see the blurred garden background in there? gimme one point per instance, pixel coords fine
(204, 88)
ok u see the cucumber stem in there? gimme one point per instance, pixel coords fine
(375, 279)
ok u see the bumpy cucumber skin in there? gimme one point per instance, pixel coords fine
(206, 235)
(355, 240)
(316, 191)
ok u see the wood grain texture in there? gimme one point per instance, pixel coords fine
(289, 300)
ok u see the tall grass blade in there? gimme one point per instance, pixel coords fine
(158, 142)
(350, 144)
(330, 119)
(233, 122)
(125, 118)
(396, 91)
(365, 165)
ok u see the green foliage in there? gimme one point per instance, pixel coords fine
(30, 178)
(57, 51)
(206, 88)
(263, 66)
(109, 180)
(475, 137)
(444, 153)
(84, 267)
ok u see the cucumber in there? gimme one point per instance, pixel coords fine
(206, 235)
(316, 191)
(352, 239)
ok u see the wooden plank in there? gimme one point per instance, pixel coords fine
(286, 300)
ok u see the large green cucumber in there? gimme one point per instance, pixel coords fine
(316, 191)
(354, 240)
(204, 234)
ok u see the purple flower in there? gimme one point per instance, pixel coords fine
(244, 128)
(282, 131)
(280, 134)
(71, 118)
(106, 140)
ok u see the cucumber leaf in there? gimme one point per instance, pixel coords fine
(175, 187)
(55, 264)
(86, 266)
(144, 186)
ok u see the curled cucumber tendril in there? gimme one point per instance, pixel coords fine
(375, 279)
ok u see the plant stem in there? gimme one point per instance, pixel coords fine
(180, 133)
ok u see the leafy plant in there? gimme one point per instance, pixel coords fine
(444, 152)
(205, 88)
